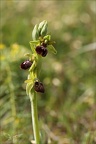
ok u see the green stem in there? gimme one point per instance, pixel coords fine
(34, 115)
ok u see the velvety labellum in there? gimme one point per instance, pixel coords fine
(41, 50)
(39, 87)
(26, 64)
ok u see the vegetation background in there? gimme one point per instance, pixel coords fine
(67, 110)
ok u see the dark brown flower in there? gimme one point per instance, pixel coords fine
(26, 64)
(41, 50)
(39, 87)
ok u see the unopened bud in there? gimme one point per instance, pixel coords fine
(35, 33)
(41, 26)
(44, 29)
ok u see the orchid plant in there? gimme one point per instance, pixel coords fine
(40, 46)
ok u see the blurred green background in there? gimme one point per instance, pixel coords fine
(67, 110)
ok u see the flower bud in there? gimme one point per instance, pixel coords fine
(44, 29)
(35, 33)
(41, 26)
(26, 64)
(38, 86)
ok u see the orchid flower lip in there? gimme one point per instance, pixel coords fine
(26, 64)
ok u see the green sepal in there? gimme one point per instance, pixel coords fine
(33, 44)
(52, 49)
(35, 33)
(32, 47)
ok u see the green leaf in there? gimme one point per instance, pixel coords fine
(52, 49)
(33, 44)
